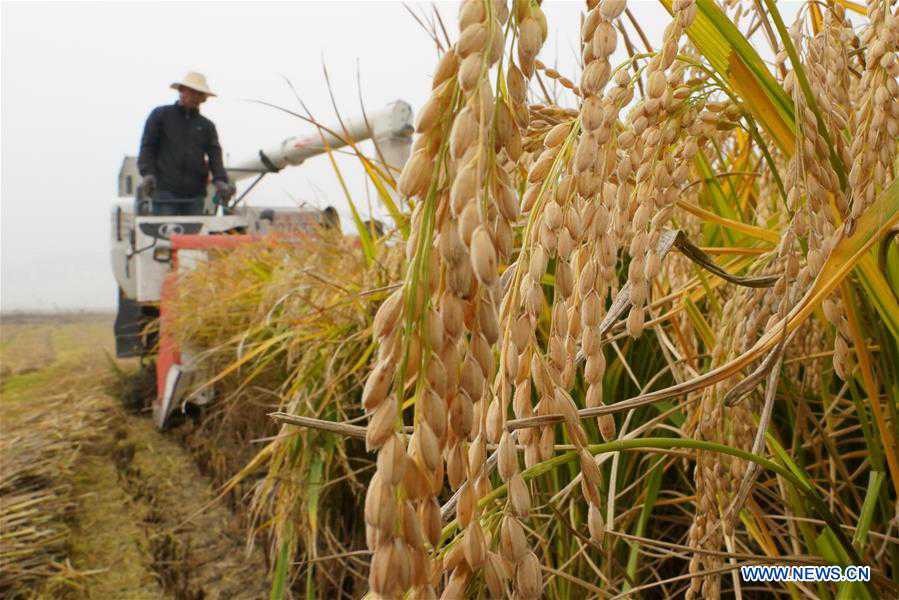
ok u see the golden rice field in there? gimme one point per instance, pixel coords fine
(625, 338)
(634, 326)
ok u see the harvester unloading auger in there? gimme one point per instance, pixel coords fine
(148, 251)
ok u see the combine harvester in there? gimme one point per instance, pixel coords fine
(149, 251)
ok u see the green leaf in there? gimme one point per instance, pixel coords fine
(364, 235)
(316, 481)
(653, 484)
(279, 581)
(875, 481)
(702, 327)
(737, 62)
(832, 551)
(378, 180)
(716, 195)
(879, 292)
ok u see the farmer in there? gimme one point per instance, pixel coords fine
(178, 149)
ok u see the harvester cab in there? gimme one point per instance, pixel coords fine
(149, 251)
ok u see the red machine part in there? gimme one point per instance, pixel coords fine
(169, 352)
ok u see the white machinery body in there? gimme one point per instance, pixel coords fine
(139, 243)
(141, 249)
(390, 128)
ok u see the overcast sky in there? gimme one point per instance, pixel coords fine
(79, 79)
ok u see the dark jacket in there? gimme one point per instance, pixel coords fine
(174, 148)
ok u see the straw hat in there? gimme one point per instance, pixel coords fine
(195, 81)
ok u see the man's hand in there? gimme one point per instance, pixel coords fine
(224, 190)
(147, 185)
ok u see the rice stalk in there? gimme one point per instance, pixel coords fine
(37, 501)
(285, 329)
(598, 188)
(675, 301)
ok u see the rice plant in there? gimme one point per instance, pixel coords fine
(641, 343)
(287, 329)
(628, 347)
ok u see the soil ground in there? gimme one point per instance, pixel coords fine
(147, 523)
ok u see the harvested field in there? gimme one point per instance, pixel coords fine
(130, 516)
